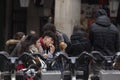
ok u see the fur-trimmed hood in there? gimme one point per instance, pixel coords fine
(11, 41)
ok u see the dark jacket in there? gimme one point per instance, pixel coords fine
(104, 36)
(118, 15)
(62, 37)
(79, 43)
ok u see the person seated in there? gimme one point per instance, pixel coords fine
(60, 36)
(11, 43)
(48, 44)
(31, 45)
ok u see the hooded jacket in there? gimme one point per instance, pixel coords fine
(104, 36)
(100, 12)
(79, 43)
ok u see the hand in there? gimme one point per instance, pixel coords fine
(45, 55)
(62, 45)
(52, 48)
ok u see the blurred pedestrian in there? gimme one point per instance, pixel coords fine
(104, 37)
(11, 43)
(79, 41)
(79, 44)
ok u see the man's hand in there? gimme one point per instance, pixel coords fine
(62, 45)
(45, 55)
(52, 48)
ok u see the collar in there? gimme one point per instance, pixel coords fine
(42, 43)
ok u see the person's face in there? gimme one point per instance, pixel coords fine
(37, 44)
(48, 41)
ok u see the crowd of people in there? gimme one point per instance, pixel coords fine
(103, 36)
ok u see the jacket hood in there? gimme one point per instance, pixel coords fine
(100, 12)
(103, 21)
(11, 42)
(78, 35)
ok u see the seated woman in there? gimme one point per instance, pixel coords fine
(32, 45)
(12, 46)
(45, 46)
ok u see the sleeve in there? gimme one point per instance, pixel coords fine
(117, 44)
(91, 35)
(50, 55)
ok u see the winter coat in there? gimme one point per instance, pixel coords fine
(62, 37)
(79, 43)
(104, 36)
(11, 44)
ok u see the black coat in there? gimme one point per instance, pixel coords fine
(104, 36)
(79, 43)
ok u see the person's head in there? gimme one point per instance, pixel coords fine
(100, 12)
(50, 19)
(49, 38)
(77, 28)
(30, 40)
(49, 27)
(32, 32)
(19, 35)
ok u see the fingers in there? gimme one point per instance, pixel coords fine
(52, 48)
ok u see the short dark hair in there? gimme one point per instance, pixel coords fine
(77, 28)
(50, 34)
(19, 35)
(29, 40)
(49, 27)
